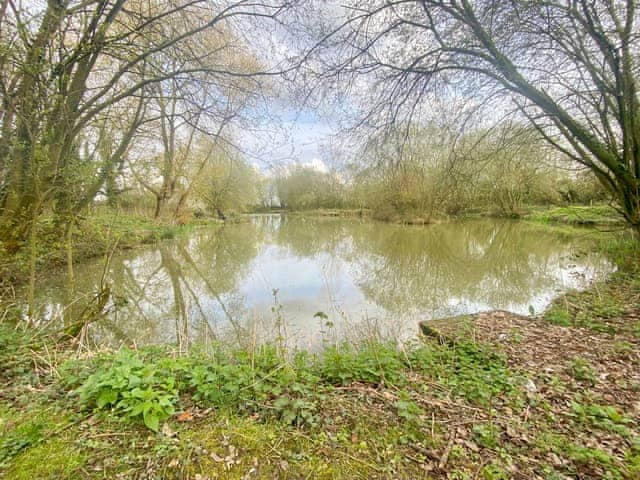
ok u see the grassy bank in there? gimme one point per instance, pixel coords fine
(324, 212)
(595, 215)
(93, 236)
(501, 397)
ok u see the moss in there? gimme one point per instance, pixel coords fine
(53, 458)
(234, 448)
(34, 443)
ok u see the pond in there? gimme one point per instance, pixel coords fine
(310, 280)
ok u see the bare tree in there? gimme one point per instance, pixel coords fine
(570, 67)
(67, 62)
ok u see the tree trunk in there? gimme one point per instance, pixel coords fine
(32, 271)
(68, 236)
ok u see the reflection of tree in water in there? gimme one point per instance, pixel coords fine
(405, 269)
(497, 263)
(183, 290)
(308, 237)
(190, 288)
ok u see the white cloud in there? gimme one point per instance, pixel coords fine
(317, 165)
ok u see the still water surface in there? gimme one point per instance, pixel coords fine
(270, 278)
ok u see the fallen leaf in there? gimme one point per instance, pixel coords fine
(185, 417)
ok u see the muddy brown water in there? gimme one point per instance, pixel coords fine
(306, 281)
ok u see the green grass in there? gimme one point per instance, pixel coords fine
(54, 458)
(148, 387)
(577, 215)
(271, 405)
(367, 411)
(34, 442)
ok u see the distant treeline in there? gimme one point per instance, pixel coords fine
(427, 172)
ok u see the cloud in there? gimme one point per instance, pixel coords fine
(317, 165)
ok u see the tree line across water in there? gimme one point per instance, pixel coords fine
(432, 174)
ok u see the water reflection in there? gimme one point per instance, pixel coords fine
(268, 278)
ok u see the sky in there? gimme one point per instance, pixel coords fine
(289, 132)
(294, 136)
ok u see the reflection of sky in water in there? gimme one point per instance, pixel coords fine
(322, 283)
(310, 283)
(365, 276)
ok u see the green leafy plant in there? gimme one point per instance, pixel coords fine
(407, 409)
(19, 439)
(375, 363)
(579, 454)
(558, 316)
(486, 435)
(133, 389)
(221, 384)
(604, 417)
(582, 370)
(493, 471)
(296, 411)
(632, 458)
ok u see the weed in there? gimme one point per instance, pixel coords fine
(632, 458)
(582, 370)
(602, 416)
(623, 349)
(469, 369)
(296, 411)
(14, 358)
(579, 454)
(486, 435)
(558, 315)
(373, 363)
(493, 471)
(460, 475)
(407, 409)
(139, 386)
(19, 439)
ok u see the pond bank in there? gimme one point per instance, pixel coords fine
(601, 215)
(597, 215)
(509, 397)
(100, 232)
(94, 236)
